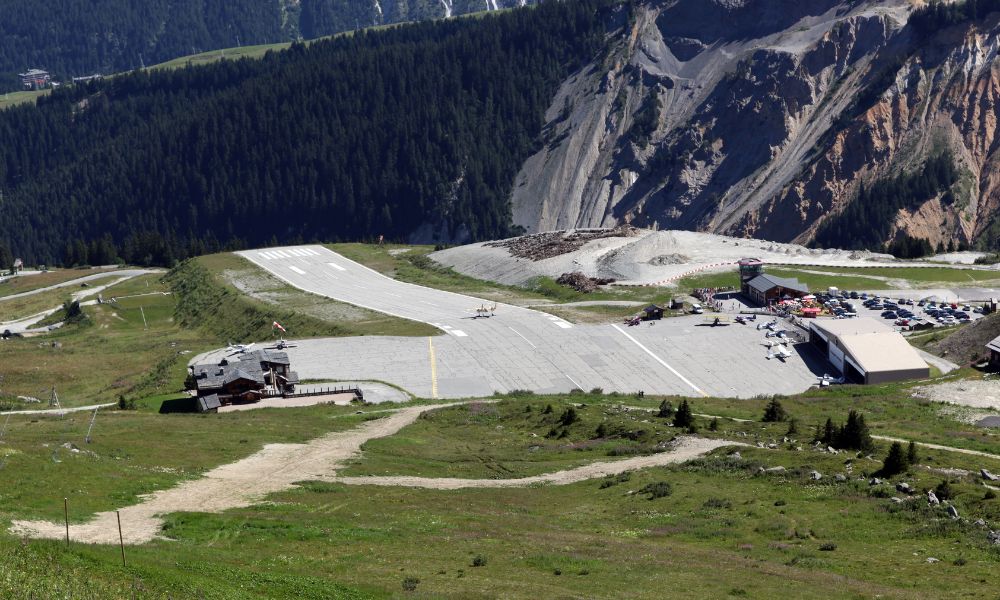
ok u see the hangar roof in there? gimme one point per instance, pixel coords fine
(872, 345)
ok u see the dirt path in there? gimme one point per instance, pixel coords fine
(273, 469)
(686, 448)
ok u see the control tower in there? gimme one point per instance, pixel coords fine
(749, 268)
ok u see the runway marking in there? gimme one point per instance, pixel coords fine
(336, 266)
(661, 361)
(563, 324)
(298, 270)
(434, 373)
(264, 255)
(310, 252)
(578, 386)
(522, 337)
(458, 333)
(281, 254)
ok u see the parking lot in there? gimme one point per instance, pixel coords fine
(518, 348)
(910, 309)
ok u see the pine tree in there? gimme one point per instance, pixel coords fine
(666, 410)
(912, 457)
(774, 412)
(895, 462)
(683, 417)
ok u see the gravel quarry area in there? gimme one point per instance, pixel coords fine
(639, 257)
(974, 393)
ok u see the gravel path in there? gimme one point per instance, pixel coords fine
(685, 449)
(243, 483)
(965, 392)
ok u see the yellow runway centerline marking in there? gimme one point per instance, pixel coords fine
(434, 375)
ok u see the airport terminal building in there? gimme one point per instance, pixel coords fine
(866, 351)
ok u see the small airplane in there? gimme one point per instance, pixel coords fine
(239, 348)
(486, 312)
(780, 352)
(780, 333)
(826, 380)
(717, 321)
(745, 319)
(633, 321)
(770, 325)
(281, 344)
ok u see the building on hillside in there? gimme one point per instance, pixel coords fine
(255, 375)
(35, 79)
(766, 289)
(866, 351)
(88, 78)
(994, 349)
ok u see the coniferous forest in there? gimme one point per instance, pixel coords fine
(80, 37)
(378, 133)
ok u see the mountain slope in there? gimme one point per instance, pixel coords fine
(414, 130)
(81, 37)
(764, 117)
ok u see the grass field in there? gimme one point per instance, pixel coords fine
(26, 306)
(724, 529)
(14, 98)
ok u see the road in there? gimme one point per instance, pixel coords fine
(519, 348)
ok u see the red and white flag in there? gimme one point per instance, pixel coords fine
(278, 325)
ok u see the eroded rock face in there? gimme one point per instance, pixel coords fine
(766, 115)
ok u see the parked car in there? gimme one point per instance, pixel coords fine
(889, 314)
(902, 322)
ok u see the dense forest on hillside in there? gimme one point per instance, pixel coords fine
(373, 134)
(868, 219)
(80, 37)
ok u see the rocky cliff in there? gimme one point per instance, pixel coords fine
(764, 117)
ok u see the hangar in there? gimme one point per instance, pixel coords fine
(866, 351)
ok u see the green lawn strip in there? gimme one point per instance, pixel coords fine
(137, 452)
(916, 274)
(10, 99)
(818, 282)
(510, 439)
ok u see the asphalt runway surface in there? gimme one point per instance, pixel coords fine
(523, 349)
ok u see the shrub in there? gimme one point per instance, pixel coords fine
(683, 416)
(479, 561)
(666, 410)
(602, 430)
(793, 427)
(717, 503)
(713, 425)
(774, 412)
(569, 417)
(989, 495)
(597, 391)
(410, 584)
(911, 454)
(943, 490)
(659, 489)
(548, 410)
(828, 547)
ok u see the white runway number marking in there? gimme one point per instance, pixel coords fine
(298, 270)
(336, 266)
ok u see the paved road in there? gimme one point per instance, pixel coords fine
(519, 348)
(124, 273)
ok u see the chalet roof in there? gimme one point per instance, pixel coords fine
(994, 344)
(250, 366)
(207, 403)
(652, 308)
(765, 282)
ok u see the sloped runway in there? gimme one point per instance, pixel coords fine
(519, 348)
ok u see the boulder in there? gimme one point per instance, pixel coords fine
(815, 475)
(980, 523)
(874, 481)
(904, 487)
(778, 469)
(839, 477)
(932, 498)
(988, 476)
(993, 537)
(736, 455)
(896, 500)
(932, 560)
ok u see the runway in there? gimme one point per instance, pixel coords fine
(519, 348)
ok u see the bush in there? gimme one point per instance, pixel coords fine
(989, 495)
(602, 430)
(126, 403)
(660, 489)
(828, 547)
(774, 412)
(793, 427)
(410, 584)
(713, 425)
(717, 503)
(943, 490)
(548, 410)
(911, 454)
(569, 417)
(666, 410)
(597, 391)
(479, 561)
(683, 417)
